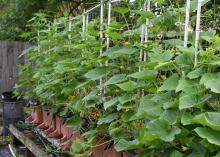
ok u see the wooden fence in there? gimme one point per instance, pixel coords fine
(9, 61)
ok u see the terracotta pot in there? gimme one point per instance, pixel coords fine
(52, 125)
(75, 136)
(30, 118)
(37, 116)
(66, 132)
(105, 150)
(47, 120)
(57, 132)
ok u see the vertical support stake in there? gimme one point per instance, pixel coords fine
(198, 20)
(186, 34)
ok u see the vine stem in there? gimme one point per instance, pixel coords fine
(198, 21)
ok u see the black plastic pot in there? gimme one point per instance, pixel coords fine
(12, 110)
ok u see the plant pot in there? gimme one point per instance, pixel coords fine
(37, 116)
(47, 120)
(57, 132)
(52, 125)
(105, 150)
(30, 118)
(66, 132)
(75, 136)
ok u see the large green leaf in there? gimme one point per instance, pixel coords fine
(195, 73)
(148, 108)
(163, 128)
(191, 100)
(121, 10)
(188, 86)
(117, 51)
(109, 118)
(97, 73)
(211, 81)
(210, 119)
(170, 115)
(144, 75)
(110, 103)
(123, 145)
(74, 121)
(126, 98)
(194, 4)
(175, 153)
(116, 79)
(214, 85)
(211, 135)
(128, 86)
(160, 57)
(209, 76)
(170, 83)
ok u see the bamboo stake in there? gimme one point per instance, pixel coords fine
(198, 20)
(186, 34)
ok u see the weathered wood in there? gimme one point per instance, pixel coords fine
(53, 141)
(9, 61)
(37, 150)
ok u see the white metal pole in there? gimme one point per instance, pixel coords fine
(142, 41)
(186, 34)
(101, 32)
(87, 20)
(198, 20)
(84, 23)
(109, 21)
(69, 29)
(147, 27)
(101, 23)
(38, 41)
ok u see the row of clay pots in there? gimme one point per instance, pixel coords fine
(54, 127)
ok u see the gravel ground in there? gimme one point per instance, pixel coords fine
(5, 152)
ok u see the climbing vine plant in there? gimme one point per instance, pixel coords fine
(168, 108)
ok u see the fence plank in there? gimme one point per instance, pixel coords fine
(9, 61)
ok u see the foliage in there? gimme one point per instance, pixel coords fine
(169, 108)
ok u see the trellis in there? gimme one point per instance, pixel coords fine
(144, 28)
